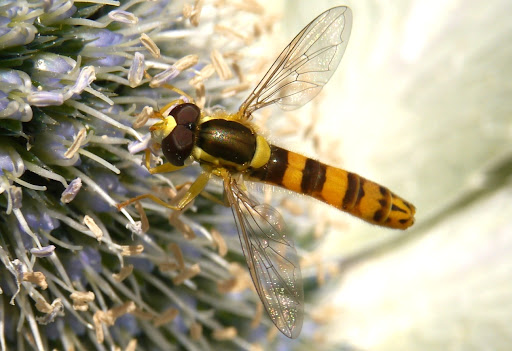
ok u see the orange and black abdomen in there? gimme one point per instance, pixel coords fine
(344, 190)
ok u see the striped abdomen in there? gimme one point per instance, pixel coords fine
(344, 190)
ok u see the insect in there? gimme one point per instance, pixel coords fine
(228, 146)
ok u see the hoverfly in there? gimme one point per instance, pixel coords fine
(228, 146)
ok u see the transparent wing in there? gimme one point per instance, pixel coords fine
(271, 258)
(305, 65)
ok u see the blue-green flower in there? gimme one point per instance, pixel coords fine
(76, 272)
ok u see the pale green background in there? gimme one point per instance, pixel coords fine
(421, 103)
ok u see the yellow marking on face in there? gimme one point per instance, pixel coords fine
(162, 129)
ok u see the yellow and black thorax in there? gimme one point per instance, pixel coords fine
(219, 140)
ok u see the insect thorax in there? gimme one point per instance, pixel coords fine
(226, 140)
(231, 144)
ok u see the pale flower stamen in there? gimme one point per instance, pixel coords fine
(136, 72)
(150, 45)
(123, 16)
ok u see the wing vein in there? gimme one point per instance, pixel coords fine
(271, 258)
(317, 49)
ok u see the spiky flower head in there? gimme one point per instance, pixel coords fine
(77, 83)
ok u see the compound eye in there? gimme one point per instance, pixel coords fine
(178, 145)
(186, 113)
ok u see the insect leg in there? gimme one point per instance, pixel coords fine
(150, 197)
(206, 195)
(165, 168)
(171, 87)
(195, 189)
(178, 91)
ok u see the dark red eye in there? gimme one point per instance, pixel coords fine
(178, 145)
(186, 113)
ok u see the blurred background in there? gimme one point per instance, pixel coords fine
(420, 103)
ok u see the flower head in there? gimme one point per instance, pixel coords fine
(73, 78)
